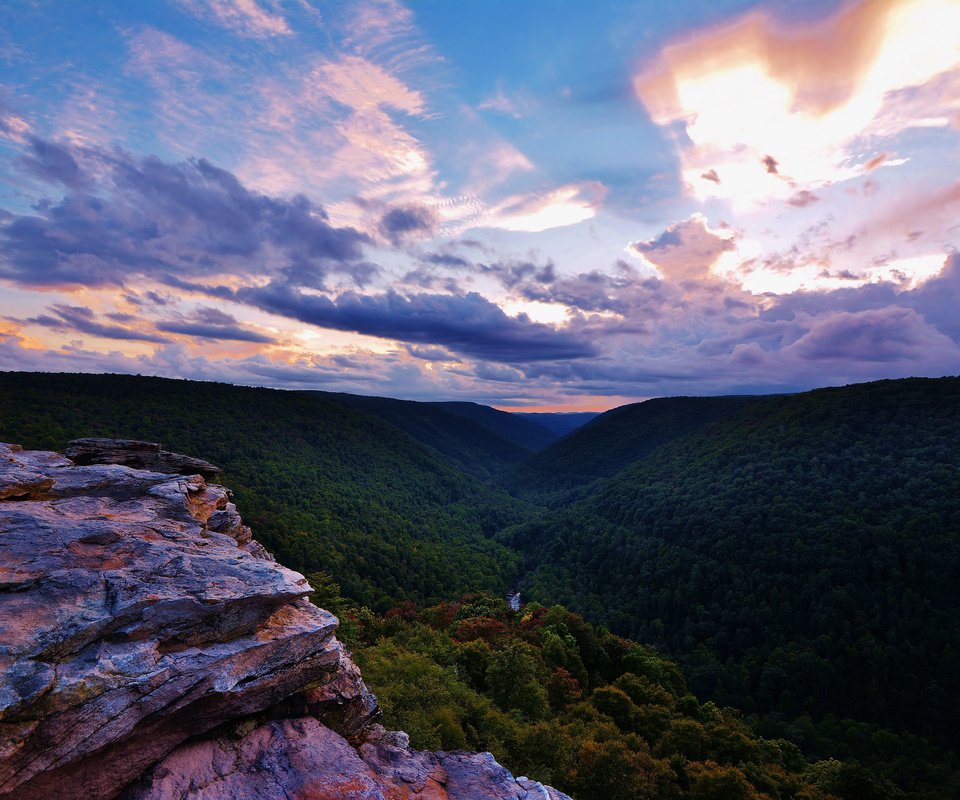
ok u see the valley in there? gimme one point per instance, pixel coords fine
(796, 555)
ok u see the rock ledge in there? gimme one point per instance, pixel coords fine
(150, 648)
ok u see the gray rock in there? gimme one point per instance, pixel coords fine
(137, 454)
(303, 758)
(128, 625)
(150, 648)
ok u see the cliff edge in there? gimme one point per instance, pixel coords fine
(151, 648)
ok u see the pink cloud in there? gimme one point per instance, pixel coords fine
(686, 251)
(244, 17)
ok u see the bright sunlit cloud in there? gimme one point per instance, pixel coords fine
(567, 205)
(770, 111)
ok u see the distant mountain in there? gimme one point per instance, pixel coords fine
(799, 555)
(561, 422)
(517, 428)
(327, 481)
(611, 441)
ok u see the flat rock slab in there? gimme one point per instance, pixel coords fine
(137, 454)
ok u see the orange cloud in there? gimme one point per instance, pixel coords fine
(756, 93)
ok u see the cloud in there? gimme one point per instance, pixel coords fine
(803, 198)
(12, 126)
(566, 205)
(622, 290)
(467, 324)
(513, 273)
(83, 320)
(151, 217)
(53, 163)
(767, 109)
(402, 221)
(514, 104)
(686, 251)
(339, 124)
(879, 335)
(211, 323)
(243, 17)
(190, 111)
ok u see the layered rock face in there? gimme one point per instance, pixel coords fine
(137, 454)
(150, 648)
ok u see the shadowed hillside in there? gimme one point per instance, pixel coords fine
(615, 439)
(558, 422)
(326, 485)
(800, 558)
(517, 428)
(478, 443)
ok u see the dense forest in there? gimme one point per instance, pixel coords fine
(610, 442)
(796, 555)
(594, 714)
(325, 485)
(800, 558)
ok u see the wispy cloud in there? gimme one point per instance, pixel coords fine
(243, 17)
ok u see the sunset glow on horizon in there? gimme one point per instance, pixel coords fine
(535, 206)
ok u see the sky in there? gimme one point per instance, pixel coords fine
(546, 205)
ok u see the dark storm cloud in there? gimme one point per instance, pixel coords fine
(429, 353)
(424, 279)
(620, 290)
(467, 324)
(936, 300)
(939, 299)
(235, 333)
(152, 217)
(445, 260)
(83, 320)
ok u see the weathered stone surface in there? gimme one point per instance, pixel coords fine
(301, 758)
(150, 647)
(298, 758)
(127, 624)
(137, 454)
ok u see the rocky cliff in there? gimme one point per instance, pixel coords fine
(150, 648)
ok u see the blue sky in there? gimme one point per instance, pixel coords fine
(538, 205)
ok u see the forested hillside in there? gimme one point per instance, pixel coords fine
(800, 558)
(479, 444)
(560, 700)
(325, 486)
(613, 440)
(516, 428)
(560, 423)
